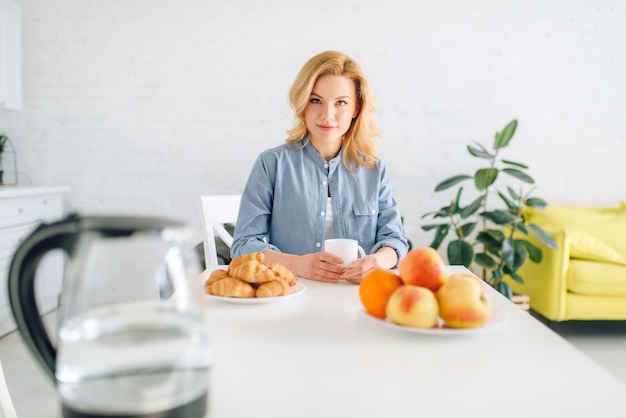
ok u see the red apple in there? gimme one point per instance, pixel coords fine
(423, 267)
(413, 306)
(464, 302)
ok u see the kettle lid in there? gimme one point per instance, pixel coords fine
(120, 225)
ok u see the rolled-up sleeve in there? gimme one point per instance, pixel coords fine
(255, 210)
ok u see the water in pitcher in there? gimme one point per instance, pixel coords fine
(134, 359)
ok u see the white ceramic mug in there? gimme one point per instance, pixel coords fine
(348, 249)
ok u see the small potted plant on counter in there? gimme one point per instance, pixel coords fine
(3, 141)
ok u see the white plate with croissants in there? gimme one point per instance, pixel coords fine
(249, 280)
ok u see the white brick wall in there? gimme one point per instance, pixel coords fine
(143, 105)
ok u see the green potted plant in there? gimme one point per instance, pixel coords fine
(491, 238)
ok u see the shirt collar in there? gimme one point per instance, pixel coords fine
(312, 152)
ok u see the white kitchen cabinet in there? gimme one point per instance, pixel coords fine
(10, 55)
(22, 209)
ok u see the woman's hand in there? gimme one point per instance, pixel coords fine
(326, 267)
(357, 271)
(323, 267)
(384, 259)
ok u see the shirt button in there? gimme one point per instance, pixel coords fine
(326, 165)
(322, 213)
(324, 183)
(318, 245)
(373, 211)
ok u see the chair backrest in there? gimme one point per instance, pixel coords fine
(217, 210)
(6, 405)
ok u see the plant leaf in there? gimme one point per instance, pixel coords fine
(441, 213)
(534, 253)
(460, 253)
(520, 175)
(492, 240)
(512, 206)
(499, 216)
(512, 193)
(430, 227)
(449, 182)
(457, 201)
(480, 152)
(473, 207)
(440, 235)
(483, 259)
(522, 228)
(514, 163)
(503, 138)
(468, 228)
(444, 212)
(485, 177)
(536, 202)
(543, 236)
(514, 253)
(513, 274)
(505, 289)
(497, 273)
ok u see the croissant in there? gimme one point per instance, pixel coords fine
(215, 276)
(253, 272)
(247, 276)
(283, 272)
(278, 287)
(232, 287)
(237, 261)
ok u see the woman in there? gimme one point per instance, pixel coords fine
(324, 182)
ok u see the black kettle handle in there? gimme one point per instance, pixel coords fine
(62, 235)
(58, 235)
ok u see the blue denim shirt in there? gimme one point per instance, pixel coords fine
(284, 202)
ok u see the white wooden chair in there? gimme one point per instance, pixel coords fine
(217, 210)
(7, 410)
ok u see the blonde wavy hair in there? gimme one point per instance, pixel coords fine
(358, 142)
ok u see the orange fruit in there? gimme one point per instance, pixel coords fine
(375, 290)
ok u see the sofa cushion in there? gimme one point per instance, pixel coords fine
(588, 247)
(605, 223)
(596, 278)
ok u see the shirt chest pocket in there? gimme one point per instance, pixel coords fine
(366, 221)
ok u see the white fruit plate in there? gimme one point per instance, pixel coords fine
(296, 289)
(498, 317)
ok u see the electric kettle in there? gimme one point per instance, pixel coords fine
(131, 337)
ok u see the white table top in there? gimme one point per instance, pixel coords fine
(317, 355)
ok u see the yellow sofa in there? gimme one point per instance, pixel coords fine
(585, 278)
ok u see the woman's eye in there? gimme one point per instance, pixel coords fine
(315, 100)
(342, 103)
